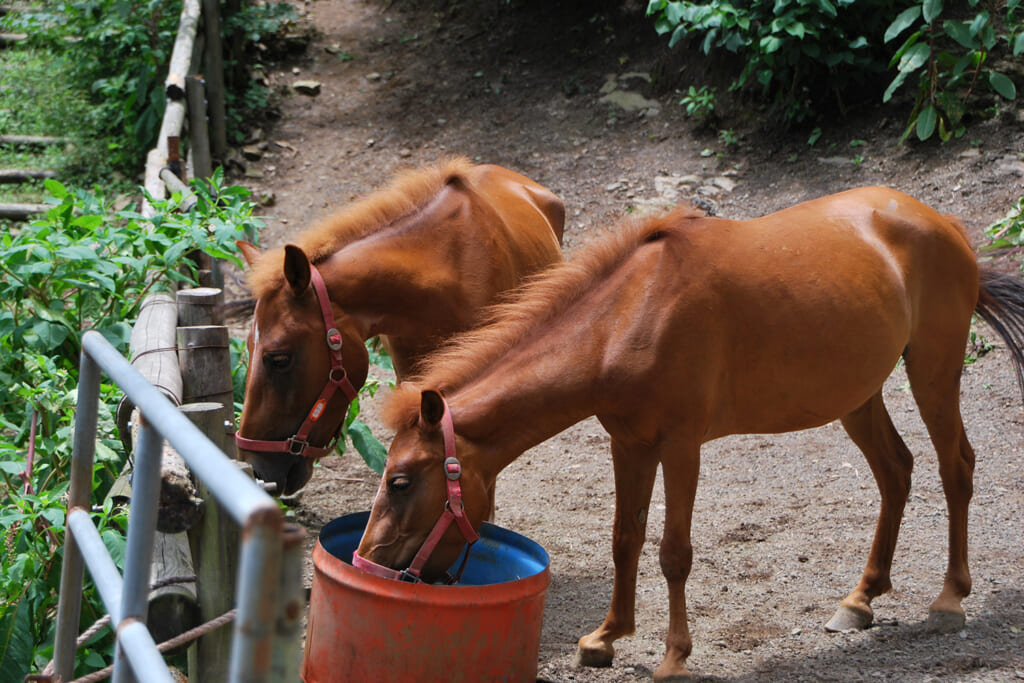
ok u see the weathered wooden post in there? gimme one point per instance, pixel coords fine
(172, 607)
(215, 543)
(204, 352)
(205, 357)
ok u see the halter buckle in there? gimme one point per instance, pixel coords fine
(452, 469)
(297, 446)
(333, 339)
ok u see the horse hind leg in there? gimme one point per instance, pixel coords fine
(935, 381)
(891, 463)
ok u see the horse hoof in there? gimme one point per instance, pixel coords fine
(849, 618)
(672, 676)
(594, 657)
(945, 622)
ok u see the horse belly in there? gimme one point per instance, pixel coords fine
(812, 355)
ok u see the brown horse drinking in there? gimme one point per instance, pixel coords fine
(414, 263)
(682, 329)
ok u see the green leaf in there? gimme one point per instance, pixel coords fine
(914, 58)
(1002, 85)
(932, 9)
(15, 642)
(902, 22)
(926, 122)
(896, 82)
(372, 450)
(1018, 44)
(961, 33)
(55, 188)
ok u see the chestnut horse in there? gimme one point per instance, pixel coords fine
(413, 263)
(683, 329)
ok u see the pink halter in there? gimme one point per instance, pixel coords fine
(453, 511)
(336, 379)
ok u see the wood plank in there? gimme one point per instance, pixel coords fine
(31, 140)
(17, 175)
(22, 212)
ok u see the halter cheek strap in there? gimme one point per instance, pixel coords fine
(453, 511)
(298, 444)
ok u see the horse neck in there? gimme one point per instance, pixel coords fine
(393, 284)
(522, 401)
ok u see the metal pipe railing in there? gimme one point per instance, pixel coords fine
(263, 539)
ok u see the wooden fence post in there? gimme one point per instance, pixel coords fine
(214, 72)
(215, 543)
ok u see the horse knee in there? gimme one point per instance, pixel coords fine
(676, 560)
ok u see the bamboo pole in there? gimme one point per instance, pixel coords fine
(181, 54)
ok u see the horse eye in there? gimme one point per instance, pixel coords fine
(399, 484)
(277, 361)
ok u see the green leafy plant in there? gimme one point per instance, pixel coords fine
(1007, 233)
(80, 266)
(792, 49)
(699, 103)
(950, 60)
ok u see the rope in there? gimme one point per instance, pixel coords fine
(104, 621)
(163, 647)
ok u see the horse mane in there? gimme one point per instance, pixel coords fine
(541, 298)
(407, 192)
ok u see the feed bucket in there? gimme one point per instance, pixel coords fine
(366, 628)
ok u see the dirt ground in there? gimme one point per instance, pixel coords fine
(783, 522)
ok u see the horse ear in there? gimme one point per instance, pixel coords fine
(250, 252)
(296, 269)
(431, 408)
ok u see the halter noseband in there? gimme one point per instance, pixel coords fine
(298, 444)
(453, 511)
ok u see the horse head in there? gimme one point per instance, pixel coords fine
(432, 498)
(305, 364)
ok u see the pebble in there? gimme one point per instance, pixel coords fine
(309, 88)
(373, 76)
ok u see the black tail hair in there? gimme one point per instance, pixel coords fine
(1001, 305)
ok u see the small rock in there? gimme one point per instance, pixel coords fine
(970, 153)
(310, 88)
(834, 161)
(405, 152)
(267, 199)
(373, 76)
(795, 632)
(630, 101)
(726, 184)
(252, 152)
(709, 190)
(613, 187)
(254, 173)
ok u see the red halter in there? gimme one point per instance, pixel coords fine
(336, 379)
(453, 510)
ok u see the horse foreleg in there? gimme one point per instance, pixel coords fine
(680, 470)
(634, 482)
(891, 462)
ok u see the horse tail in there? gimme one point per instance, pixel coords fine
(1001, 305)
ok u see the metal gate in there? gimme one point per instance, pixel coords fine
(265, 644)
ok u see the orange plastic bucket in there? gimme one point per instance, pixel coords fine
(365, 628)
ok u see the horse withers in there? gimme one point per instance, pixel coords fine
(413, 263)
(684, 329)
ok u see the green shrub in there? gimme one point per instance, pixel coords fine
(798, 52)
(81, 266)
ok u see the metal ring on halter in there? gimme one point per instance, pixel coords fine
(293, 442)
